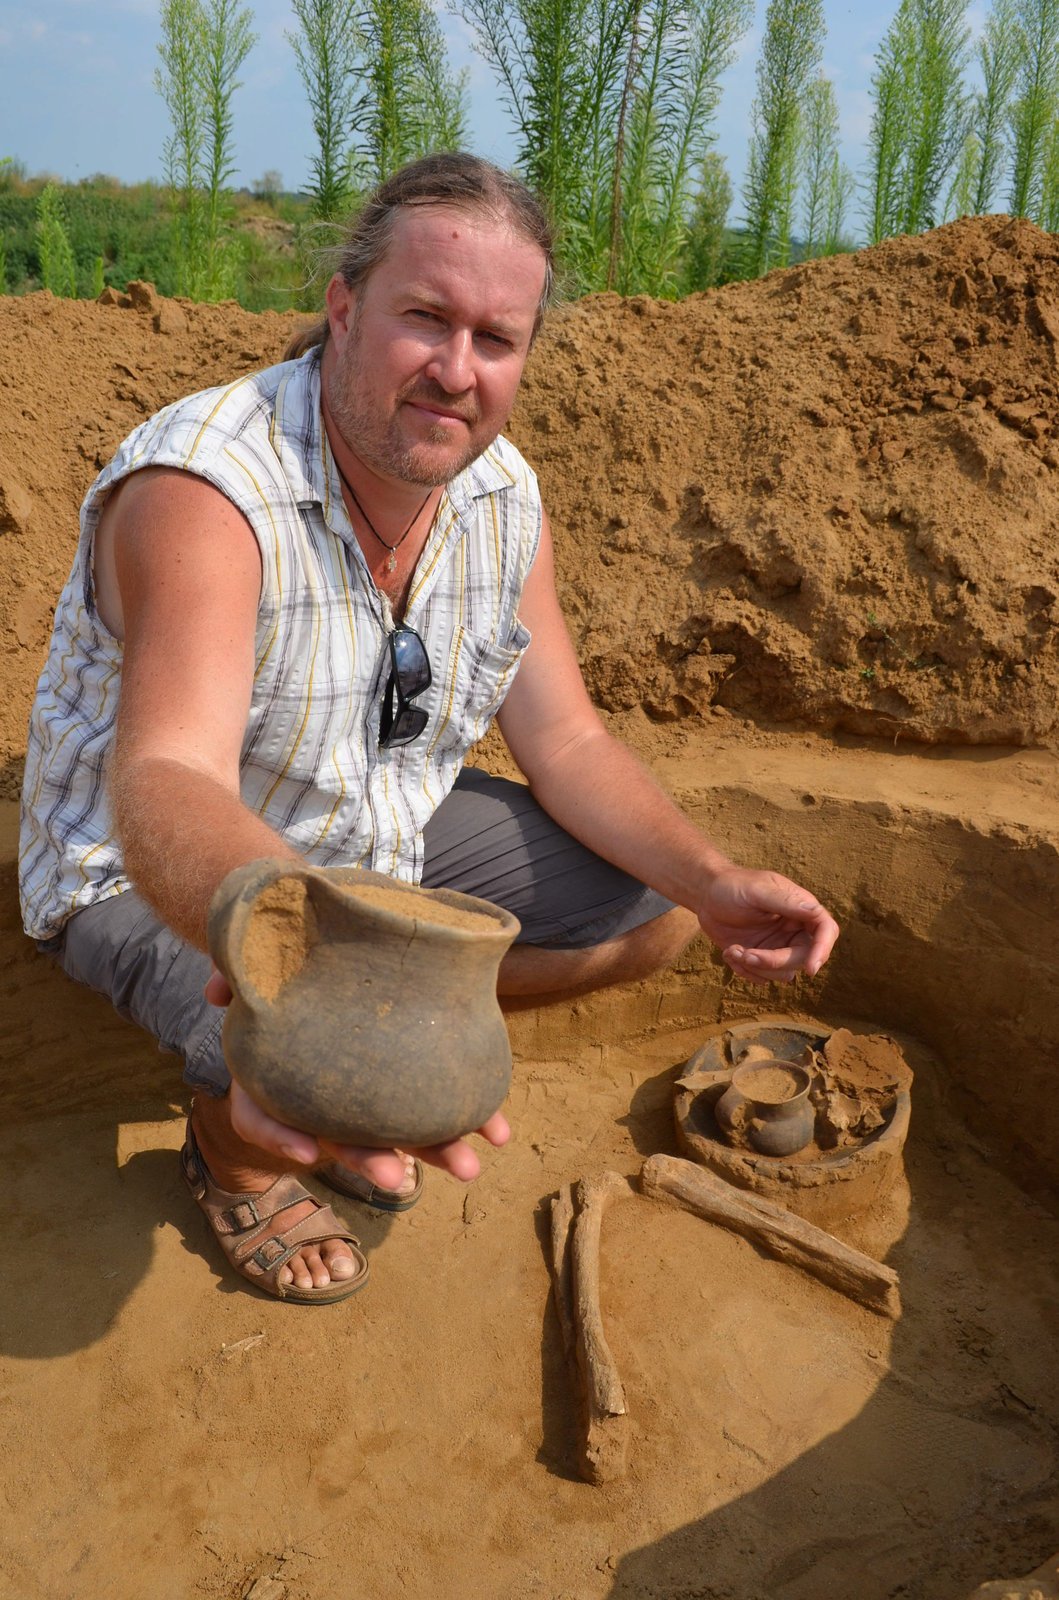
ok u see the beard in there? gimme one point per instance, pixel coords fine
(373, 431)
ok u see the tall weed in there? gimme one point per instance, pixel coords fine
(613, 104)
(58, 272)
(1035, 104)
(204, 43)
(921, 117)
(999, 54)
(790, 55)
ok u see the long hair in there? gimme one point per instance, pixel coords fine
(463, 182)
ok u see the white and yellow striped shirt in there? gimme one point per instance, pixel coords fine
(310, 764)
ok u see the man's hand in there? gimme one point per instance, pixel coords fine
(384, 1167)
(768, 929)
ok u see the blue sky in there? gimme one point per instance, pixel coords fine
(77, 90)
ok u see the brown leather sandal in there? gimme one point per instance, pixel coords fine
(343, 1181)
(239, 1223)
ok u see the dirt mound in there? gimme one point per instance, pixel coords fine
(828, 497)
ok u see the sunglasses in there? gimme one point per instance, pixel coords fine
(401, 721)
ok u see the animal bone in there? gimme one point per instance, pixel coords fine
(782, 1234)
(562, 1220)
(575, 1240)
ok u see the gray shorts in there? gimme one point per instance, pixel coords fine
(488, 838)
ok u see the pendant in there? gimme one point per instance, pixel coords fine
(391, 562)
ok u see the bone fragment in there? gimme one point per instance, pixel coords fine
(604, 1442)
(781, 1233)
(562, 1227)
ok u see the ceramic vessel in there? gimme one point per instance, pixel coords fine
(364, 1009)
(831, 1188)
(767, 1106)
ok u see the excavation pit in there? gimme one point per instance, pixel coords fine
(872, 1456)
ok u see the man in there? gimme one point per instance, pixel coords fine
(297, 602)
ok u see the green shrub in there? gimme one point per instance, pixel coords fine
(57, 269)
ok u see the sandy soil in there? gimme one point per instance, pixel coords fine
(807, 540)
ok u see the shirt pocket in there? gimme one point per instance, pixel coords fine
(484, 672)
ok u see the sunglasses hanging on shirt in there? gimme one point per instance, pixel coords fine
(400, 721)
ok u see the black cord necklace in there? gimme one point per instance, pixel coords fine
(392, 548)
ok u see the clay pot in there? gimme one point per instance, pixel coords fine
(364, 1009)
(767, 1104)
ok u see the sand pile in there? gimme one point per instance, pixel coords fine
(827, 498)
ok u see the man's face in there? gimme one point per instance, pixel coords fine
(426, 355)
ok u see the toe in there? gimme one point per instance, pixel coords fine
(340, 1262)
(317, 1275)
(304, 1270)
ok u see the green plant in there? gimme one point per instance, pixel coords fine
(674, 101)
(1035, 103)
(567, 73)
(961, 197)
(790, 55)
(921, 114)
(824, 191)
(707, 231)
(326, 48)
(177, 82)
(58, 272)
(413, 104)
(614, 103)
(1049, 217)
(841, 187)
(998, 52)
(204, 43)
(225, 42)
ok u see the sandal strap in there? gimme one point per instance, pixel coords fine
(248, 1211)
(274, 1252)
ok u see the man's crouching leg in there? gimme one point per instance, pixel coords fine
(534, 975)
(584, 923)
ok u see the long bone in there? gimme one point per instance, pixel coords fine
(782, 1234)
(575, 1240)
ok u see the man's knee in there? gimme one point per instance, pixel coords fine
(653, 945)
(535, 972)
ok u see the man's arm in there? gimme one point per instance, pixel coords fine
(767, 927)
(178, 578)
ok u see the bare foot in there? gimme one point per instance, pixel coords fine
(243, 1168)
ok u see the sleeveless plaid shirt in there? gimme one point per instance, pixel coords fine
(310, 764)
